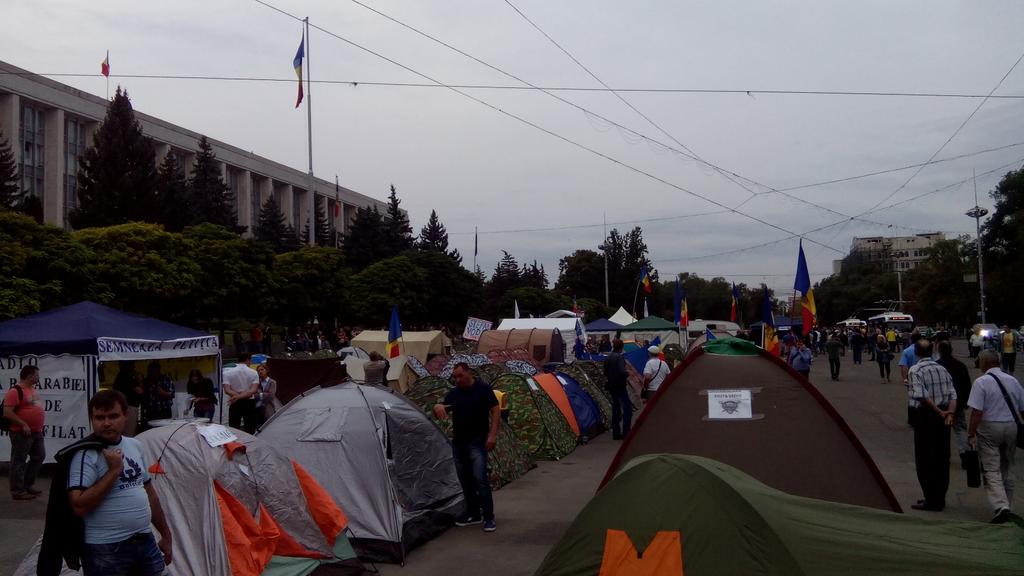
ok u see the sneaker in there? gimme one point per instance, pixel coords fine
(34, 492)
(490, 526)
(1002, 516)
(23, 496)
(463, 521)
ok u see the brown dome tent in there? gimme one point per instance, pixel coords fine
(543, 345)
(733, 402)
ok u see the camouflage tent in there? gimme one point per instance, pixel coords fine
(598, 393)
(537, 422)
(509, 459)
(488, 372)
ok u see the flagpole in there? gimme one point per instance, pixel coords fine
(309, 133)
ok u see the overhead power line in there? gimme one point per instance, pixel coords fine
(548, 131)
(525, 88)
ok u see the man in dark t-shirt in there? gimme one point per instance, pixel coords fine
(475, 418)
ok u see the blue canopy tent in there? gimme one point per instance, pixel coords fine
(588, 415)
(69, 344)
(603, 325)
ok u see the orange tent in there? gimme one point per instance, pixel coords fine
(553, 388)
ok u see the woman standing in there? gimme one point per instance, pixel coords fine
(159, 391)
(883, 355)
(266, 397)
(204, 400)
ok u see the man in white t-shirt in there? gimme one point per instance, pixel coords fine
(241, 383)
(655, 372)
(993, 428)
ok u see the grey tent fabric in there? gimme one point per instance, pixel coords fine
(380, 457)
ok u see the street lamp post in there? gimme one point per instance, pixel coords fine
(977, 213)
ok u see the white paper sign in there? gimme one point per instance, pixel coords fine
(134, 349)
(66, 383)
(475, 327)
(729, 405)
(217, 435)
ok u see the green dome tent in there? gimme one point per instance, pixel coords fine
(693, 515)
(537, 422)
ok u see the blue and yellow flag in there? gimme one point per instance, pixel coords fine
(297, 63)
(394, 334)
(802, 284)
(769, 340)
(645, 280)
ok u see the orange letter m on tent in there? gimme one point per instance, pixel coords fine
(662, 557)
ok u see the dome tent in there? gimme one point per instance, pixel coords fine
(678, 514)
(379, 457)
(536, 420)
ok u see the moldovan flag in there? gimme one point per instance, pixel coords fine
(105, 65)
(735, 312)
(682, 314)
(769, 341)
(645, 279)
(394, 334)
(297, 63)
(802, 284)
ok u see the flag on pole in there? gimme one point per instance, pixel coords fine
(394, 334)
(802, 284)
(105, 65)
(515, 311)
(337, 197)
(769, 340)
(297, 64)
(645, 279)
(735, 312)
(708, 335)
(682, 317)
(476, 242)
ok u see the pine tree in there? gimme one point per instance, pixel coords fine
(117, 179)
(173, 195)
(211, 199)
(533, 276)
(272, 228)
(399, 232)
(507, 276)
(366, 239)
(434, 237)
(10, 194)
(324, 233)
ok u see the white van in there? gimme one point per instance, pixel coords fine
(698, 327)
(852, 323)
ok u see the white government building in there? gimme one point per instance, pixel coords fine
(894, 253)
(49, 126)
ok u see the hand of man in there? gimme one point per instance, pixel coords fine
(115, 460)
(947, 418)
(491, 443)
(25, 431)
(440, 412)
(165, 547)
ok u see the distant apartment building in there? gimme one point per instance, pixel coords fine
(49, 126)
(895, 253)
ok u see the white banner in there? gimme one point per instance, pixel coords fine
(130, 349)
(66, 383)
(475, 327)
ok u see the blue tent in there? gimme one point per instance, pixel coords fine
(588, 415)
(603, 325)
(75, 329)
(639, 357)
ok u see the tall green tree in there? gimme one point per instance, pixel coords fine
(627, 255)
(533, 276)
(582, 274)
(211, 199)
(366, 240)
(389, 282)
(324, 233)
(451, 292)
(434, 237)
(172, 194)
(117, 176)
(859, 284)
(272, 228)
(10, 192)
(399, 232)
(312, 283)
(1002, 239)
(936, 287)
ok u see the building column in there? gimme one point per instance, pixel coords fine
(161, 149)
(286, 200)
(10, 123)
(302, 200)
(53, 168)
(243, 192)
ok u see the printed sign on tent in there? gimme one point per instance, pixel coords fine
(729, 405)
(134, 349)
(475, 327)
(66, 383)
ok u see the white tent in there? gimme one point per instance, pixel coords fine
(418, 344)
(622, 318)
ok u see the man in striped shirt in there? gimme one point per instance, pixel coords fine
(932, 403)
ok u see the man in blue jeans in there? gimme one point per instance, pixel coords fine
(475, 419)
(618, 379)
(110, 490)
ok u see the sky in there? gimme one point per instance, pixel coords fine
(700, 176)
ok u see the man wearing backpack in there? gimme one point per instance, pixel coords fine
(23, 409)
(618, 379)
